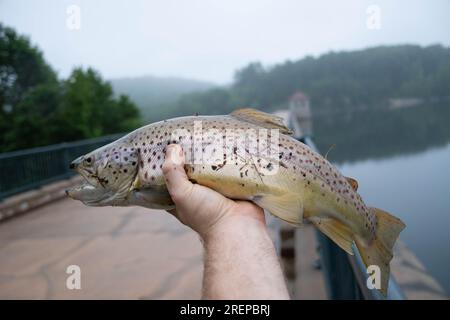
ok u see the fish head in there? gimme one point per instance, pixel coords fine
(108, 172)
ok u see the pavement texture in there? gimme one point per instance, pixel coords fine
(123, 253)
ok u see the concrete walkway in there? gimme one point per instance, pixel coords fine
(123, 253)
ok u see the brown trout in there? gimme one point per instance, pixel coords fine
(247, 155)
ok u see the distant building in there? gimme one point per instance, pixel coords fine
(299, 104)
(300, 114)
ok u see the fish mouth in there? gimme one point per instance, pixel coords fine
(90, 191)
(93, 192)
(90, 195)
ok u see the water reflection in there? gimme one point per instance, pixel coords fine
(382, 133)
(401, 160)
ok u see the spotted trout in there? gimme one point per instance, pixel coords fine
(246, 155)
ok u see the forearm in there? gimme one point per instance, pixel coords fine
(241, 262)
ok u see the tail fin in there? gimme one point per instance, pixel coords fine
(379, 251)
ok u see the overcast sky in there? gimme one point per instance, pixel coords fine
(210, 39)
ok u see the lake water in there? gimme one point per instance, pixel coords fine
(401, 160)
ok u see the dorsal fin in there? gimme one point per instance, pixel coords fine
(353, 183)
(262, 119)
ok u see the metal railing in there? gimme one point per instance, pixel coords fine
(345, 275)
(24, 170)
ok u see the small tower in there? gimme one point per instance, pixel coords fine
(300, 114)
(299, 104)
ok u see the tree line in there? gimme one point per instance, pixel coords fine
(37, 108)
(335, 82)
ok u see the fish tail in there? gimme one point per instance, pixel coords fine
(379, 251)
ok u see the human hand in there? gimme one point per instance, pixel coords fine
(202, 208)
(240, 259)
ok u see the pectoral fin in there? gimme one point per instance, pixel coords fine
(153, 198)
(287, 207)
(336, 231)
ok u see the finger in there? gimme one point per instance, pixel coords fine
(176, 179)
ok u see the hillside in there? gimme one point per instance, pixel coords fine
(150, 93)
(335, 82)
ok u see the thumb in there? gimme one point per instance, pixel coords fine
(177, 181)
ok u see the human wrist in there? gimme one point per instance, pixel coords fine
(232, 227)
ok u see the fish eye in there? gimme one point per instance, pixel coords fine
(88, 160)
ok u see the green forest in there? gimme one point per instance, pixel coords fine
(335, 82)
(37, 108)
